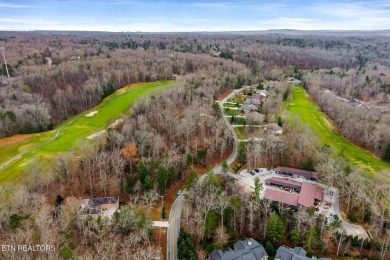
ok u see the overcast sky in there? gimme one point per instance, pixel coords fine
(185, 15)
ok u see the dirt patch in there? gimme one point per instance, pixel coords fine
(225, 94)
(14, 139)
(159, 238)
(120, 92)
(93, 136)
(91, 114)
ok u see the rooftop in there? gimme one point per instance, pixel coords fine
(247, 249)
(308, 194)
(103, 206)
(282, 196)
(294, 171)
(285, 181)
(298, 253)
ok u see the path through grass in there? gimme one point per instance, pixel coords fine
(310, 114)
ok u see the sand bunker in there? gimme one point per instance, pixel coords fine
(91, 114)
(93, 136)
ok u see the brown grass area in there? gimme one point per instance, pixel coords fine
(14, 139)
(159, 238)
(225, 94)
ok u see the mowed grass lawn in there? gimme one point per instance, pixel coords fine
(301, 105)
(108, 110)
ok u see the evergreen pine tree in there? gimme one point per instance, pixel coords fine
(186, 248)
(311, 240)
(295, 236)
(386, 155)
(276, 231)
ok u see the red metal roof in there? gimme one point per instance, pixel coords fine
(281, 196)
(308, 193)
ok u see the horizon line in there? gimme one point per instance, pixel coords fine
(197, 31)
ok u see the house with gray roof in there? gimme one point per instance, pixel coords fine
(99, 207)
(248, 107)
(247, 249)
(298, 253)
(294, 81)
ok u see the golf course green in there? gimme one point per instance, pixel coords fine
(310, 113)
(15, 155)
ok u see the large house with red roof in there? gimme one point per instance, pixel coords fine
(293, 193)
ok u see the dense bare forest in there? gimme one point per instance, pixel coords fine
(86, 67)
(168, 135)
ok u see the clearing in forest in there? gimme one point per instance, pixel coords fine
(66, 135)
(310, 113)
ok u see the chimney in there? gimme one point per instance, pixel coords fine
(249, 242)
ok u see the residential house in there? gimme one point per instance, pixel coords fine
(270, 84)
(298, 253)
(99, 207)
(248, 108)
(243, 249)
(253, 118)
(263, 93)
(253, 101)
(294, 81)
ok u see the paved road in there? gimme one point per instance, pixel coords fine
(349, 229)
(58, 131)
(175, 214)
(174, 226)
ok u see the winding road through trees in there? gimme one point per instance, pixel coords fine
(175, 214)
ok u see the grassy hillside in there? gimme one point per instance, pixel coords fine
(69, 132)
(310, 113)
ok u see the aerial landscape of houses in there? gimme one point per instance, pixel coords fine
(185, 130)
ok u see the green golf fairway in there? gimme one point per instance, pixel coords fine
(63, 137)
(310, 114)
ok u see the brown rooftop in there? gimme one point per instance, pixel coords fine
(281, 196)
(309, 192)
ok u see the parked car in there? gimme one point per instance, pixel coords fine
(257, 170)
(326, 207)
(179, 192)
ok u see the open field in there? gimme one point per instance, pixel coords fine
(310, 114)
(246, 132)
(231, 111)
(66, 135)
